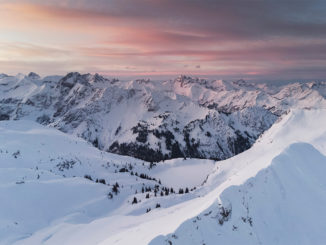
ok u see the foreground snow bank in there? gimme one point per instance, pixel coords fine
(282, 204)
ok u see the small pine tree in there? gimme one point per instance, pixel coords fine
(180, 191)
(102, 181)
(187, 190)
(115, 188)
(95, 142)
(147, 195)
(158, 205)
(86, 176)
(134, 201)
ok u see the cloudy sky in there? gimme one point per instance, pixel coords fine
(229, 39)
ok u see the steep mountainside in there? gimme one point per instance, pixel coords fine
(155, 120)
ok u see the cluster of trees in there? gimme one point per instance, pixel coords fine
(134, 149)
(101, 181)
(115, 190)
(16, 154)
(115, 187)
(181, 191)
(126, 168)
(65, 165)
(147, 189)
(145, 176)
(142, 131)
(164, 190)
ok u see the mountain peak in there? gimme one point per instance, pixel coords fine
(33, 75)
(98, 78)
(2, 75)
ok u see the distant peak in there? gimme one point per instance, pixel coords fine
(240, 82)
(2, 75)
(72, 74)
(33, 75)
(144, 80)
(98, 78)
(70, 79)
(183, 79)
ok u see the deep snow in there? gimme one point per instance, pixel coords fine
(42, 181)
(275, 190)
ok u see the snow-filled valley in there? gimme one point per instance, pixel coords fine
(48, 176)
(61, 182)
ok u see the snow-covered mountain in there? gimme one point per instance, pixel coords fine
(59, 189)
(156, 120)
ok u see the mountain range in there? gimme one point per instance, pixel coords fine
(156, 120)
(199, 161)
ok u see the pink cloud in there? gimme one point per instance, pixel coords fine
(167, 37)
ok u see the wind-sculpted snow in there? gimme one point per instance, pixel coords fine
(274, 193)
(282, 204)
(156, 120)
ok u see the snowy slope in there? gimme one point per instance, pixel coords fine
(273, 193)
(283, 204)
(43, 184)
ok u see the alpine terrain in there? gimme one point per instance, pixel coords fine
(87, 159)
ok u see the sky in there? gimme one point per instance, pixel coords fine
(225, 39)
